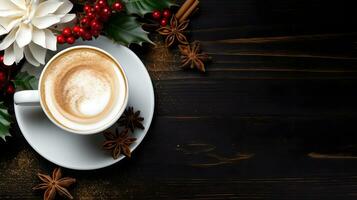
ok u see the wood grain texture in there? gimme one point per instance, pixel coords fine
(274, 117)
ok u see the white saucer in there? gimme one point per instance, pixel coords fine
(84, 152)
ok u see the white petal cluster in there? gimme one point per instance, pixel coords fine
(26, 24)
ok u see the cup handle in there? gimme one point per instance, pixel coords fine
(27, 98)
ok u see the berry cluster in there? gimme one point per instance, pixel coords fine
(5, 85)
(91, 23)
(162, 17)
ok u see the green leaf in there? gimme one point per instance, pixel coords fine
(25, 81)
(126, 30)
(142, 7)
(4, 121)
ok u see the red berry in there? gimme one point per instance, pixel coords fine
(2, 76)
(71, 40)
(81, 31)
(87, 36)
(156, 15)
(76, 30)
(97, 8)
(117, 6)
(85, 21)
(1, 59)
(166, 13)
(61, 39)
(163, 22)
(67, 32)
(91, 15)
(87, 8)
(102, 3)
(95, 25)
(10, 89)
(95, 33)
(106, 12)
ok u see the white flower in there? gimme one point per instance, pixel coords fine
(27, 23)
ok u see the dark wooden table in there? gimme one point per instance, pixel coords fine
(274, 117)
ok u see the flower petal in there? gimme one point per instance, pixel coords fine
(47, 7)
(65, 8)
(34, 4)
(38, 53)
(20, 4)
(8, 23)
(7, 5)
(11, 13)
(46, 21)
(39, 37)
(19, 53)
(68, 18)
(2, 30)
(51, 40)
(9, 56)
(24, 35)
(9, 39)
(30, 58)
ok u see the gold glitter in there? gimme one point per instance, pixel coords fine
(21, 169)
(161, 60)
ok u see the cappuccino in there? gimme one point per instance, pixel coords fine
(83, 89)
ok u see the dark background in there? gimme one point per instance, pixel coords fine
(274, 117)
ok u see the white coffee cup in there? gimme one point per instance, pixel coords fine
(46, 95)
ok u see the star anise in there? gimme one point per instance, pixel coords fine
(191, 56)
(55, 184)
(131, 120)
(174, 32)
(118, 143)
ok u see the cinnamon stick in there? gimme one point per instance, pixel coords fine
(184, 8)
(189, 11)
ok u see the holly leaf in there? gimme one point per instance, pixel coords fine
(25, 81)
(142, 7)
(4, 121)
(125, 29)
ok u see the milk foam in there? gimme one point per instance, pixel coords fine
(83, 89)
(86, 92)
